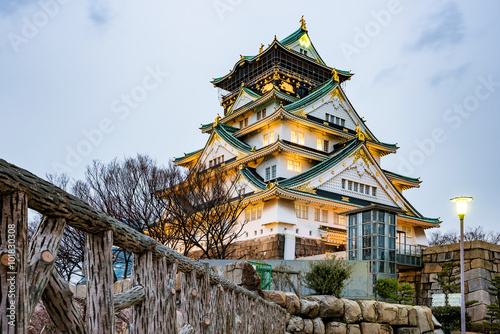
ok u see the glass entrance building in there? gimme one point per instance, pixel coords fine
(371, 236)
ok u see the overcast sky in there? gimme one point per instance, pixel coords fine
(90, 79)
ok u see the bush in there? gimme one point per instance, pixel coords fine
(389, 288)
(328, 277)
(449, 317)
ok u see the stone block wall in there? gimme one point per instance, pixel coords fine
(481, 264)
(330, 315)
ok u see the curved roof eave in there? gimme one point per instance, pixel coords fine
(268, 49)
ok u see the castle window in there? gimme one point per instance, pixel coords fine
(324, 216)
(261, 231)
(243, 123)
(342, 220)
(301, 211)
(273, 171)
(319, 144)
(216, 161)
(296, 166)
(271, 137)
(263, 113)
(349, 185)
(297, 230)
(362, 188)
(356, 186)
(310, 232)
(255, 232)
(317, 214)
(253, 213)
(301, 138)
(374, 191)
(293, 136)
(259, 114)
(289, 165)
(266, 140)
(268, 173)
(325, 145)
(367, 190)
(343, 183)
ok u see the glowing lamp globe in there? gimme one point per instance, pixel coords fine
(461, 204)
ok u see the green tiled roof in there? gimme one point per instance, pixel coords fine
(320, 91)
(429, 220)
(251, 92)
(249, 57)
(226, 134)
(249, 174)
(293, 37)
(187, 155)
(351, 146)
(228, 128)
(412, 179)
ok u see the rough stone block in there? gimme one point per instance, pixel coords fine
(368, 310)
(337, 328)
(480, 295)
(353, 329)
(477, 273)
(296, 324)
(318, 326)
(329, 306)
(292, 303)
(477, 312)
(352, 311)
(369, 327)
(433, 278)
(432, 268)
(424, 318)
(478, 284)
(480, 263)
(278, 297)
(309, 308)
(407, 330)
(308, 327)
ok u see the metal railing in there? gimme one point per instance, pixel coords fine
(410, 255)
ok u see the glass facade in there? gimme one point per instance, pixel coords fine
(372, 237)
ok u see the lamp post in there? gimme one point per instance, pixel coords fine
(461, 210)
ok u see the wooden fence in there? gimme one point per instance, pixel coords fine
(281, 280)
(209, 303)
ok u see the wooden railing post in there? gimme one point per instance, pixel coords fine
(100, 316)
(58, 301)
(14, 299)
(43, 248)
(141, 320)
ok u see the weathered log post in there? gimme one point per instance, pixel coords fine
(165, 297)
(142, 314)
(14, 299)
(43, 249)
(171, 301)
(58, 301)
(100, 316)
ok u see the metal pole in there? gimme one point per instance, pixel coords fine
(462, 277)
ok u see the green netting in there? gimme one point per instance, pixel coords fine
(264, 271)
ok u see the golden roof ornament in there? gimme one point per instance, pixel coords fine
(359, 133)
(217, 119)
(261, 48)
(335, 75)
(303, 23)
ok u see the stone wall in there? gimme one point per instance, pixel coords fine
(308, 247)
(481, 264)
(329, 315)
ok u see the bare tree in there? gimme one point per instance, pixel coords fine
(126, 190)
(470, 234)
(204, 212)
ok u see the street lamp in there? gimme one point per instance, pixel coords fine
(461, 210)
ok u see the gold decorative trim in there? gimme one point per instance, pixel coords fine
(345, 199)
(360, 154)
(300, 113)
(306, 188)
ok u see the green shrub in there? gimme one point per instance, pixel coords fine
(390, 289)
(449, 317)
(328, 277)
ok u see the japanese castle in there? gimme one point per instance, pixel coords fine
(306, 163)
